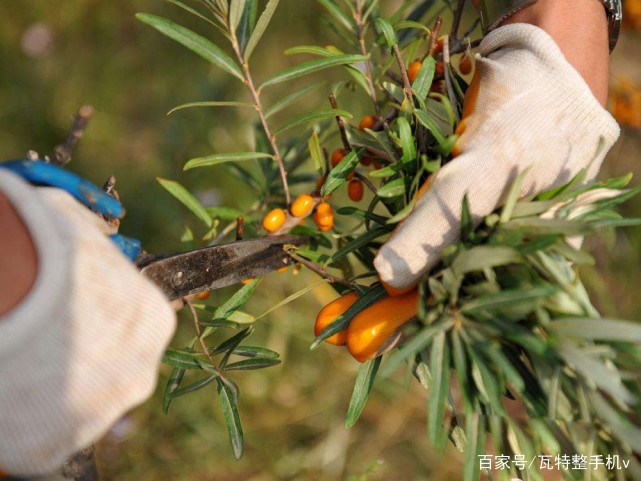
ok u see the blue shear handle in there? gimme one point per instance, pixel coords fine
(39, 172)
(128, 246)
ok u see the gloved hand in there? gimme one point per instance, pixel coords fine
(84, 346)
(526, 108)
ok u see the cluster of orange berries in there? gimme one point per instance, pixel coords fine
(301, 208)
(370, 331)
(626, 103)
(464, 66)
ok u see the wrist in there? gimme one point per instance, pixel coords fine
(580, 29)
(18, 262)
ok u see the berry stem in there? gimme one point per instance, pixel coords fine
(341, 124)
(263, 120)
(360, 28)
(407, 86)
(319, 270)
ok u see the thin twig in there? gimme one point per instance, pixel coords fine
(360, 27)
(456, 22)
(462, 46)
(434, 35)
(263, 120)
(201, 341)
(448, 79)
(365, 180)
(407, 86)
(62, 151)
(341, 124)
(240, 228)
(319, 270)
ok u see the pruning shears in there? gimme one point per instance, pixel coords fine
(177, 274)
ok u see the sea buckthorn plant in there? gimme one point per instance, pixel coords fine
(502, 319)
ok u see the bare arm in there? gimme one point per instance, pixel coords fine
(580, 28)
(18, 259)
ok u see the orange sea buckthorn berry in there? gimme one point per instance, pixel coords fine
(355, 190)
(246, 281)
(330, 313)
(438, 45)
(282, 269)
(202, 296)
(367, 122)
(337, 156)
(378, 165)
(302, 206)
(371, 327)
(440, 68)
(414, 69)
(324, 217)
(274, 220)
(465, 64)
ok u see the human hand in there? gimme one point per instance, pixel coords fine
(527, 108)
(85, 344)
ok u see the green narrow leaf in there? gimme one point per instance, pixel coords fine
(261, 26)
(423, 81)
(222, 158)
(232, 304)
(360, 241)
(232, 419)
(513, 196)
(316, 153)
(420, 340)
(290, 99)
(338, 175)
(251, 364)
(362, 387)
(508, 298)
(194, 42)
(183, 359)
(247, 22)
(394, 188)
(485, 257)
(194, 12)
(407, 140)
(338, 14)
(201, 383)
(236, 10)
(467, 226)
(187, 199)
(210, 104)
(256, 352)
(424, 118)
(292, 297)
(388, 31)
(474, 434)
(176, 377)
(598, 329)
(311, 67)
(440, 370)
(313, 116)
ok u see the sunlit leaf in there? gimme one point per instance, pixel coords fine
(311, 67)
(193, 42)
(362, 387)
(232, 419)
(217, 159)
(210, 104)
(312, 117)
(260, 28)
(187, 199)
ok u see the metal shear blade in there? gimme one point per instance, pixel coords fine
(186, 273)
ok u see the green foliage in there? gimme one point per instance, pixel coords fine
(504, 312)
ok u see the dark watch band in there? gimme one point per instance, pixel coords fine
(493, 12)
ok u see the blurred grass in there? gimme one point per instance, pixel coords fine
(293, 414)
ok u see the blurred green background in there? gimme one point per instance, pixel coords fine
(56, 56)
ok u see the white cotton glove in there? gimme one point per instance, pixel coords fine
(84, 346)
(533, 110)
